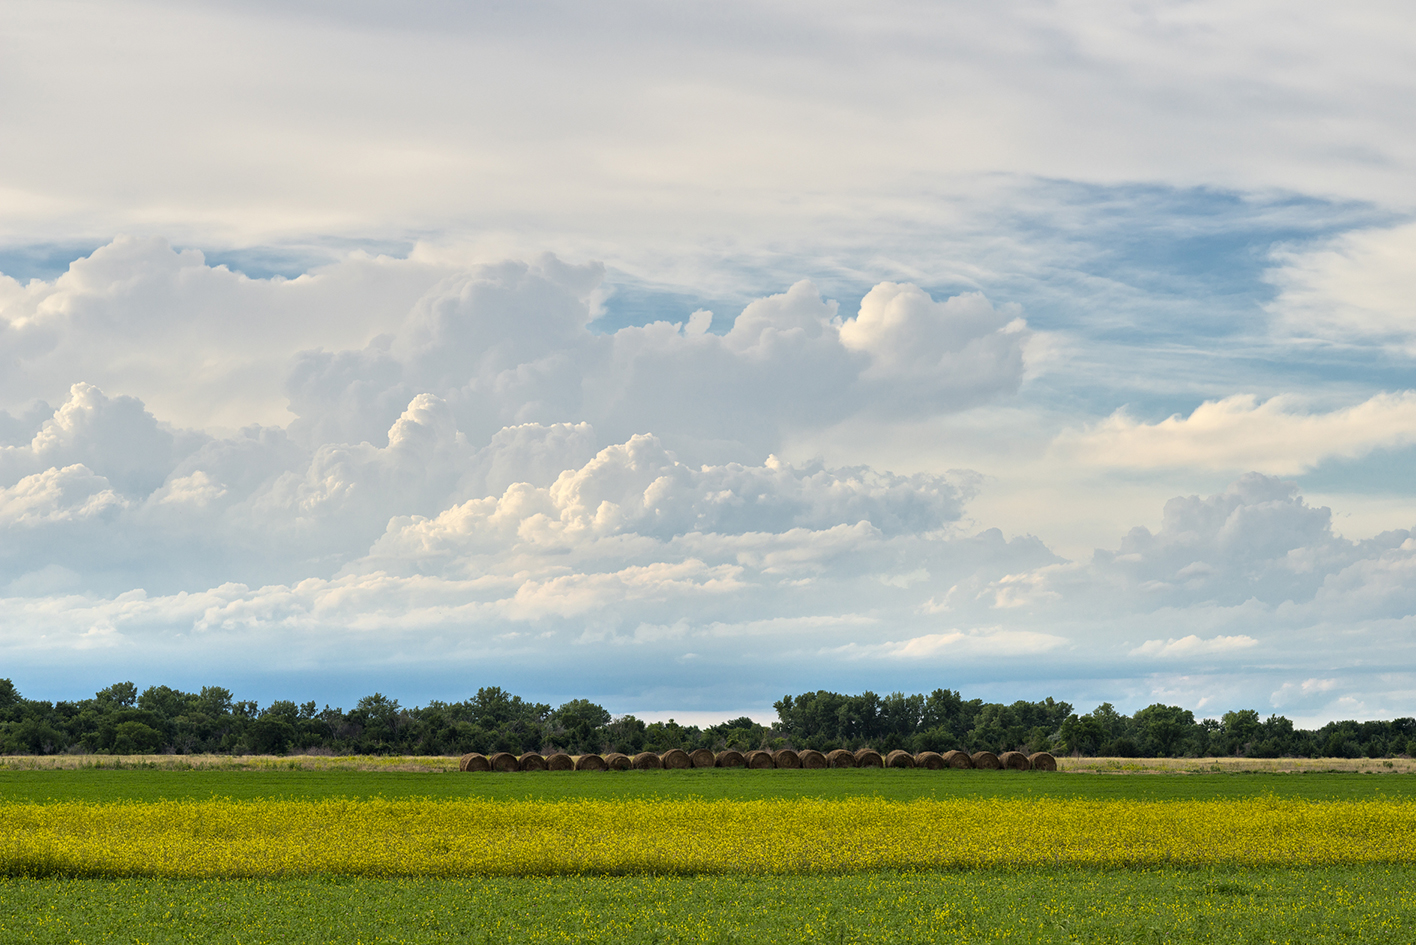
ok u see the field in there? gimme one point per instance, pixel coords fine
(333, 853)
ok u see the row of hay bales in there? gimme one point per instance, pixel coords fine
(781, 758)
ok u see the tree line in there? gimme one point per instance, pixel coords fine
(160, 719)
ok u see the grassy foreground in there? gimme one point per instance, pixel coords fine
(1344, 904)
(1363, 889)
(146, 784)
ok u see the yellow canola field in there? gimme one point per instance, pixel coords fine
(226, 838)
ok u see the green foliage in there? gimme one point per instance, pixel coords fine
(120, 720)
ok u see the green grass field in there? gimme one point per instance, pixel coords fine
(1329, 904)
(1131, 906)
(729, 784)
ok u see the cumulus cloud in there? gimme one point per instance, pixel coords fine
(342, 351)
(490, 481)
(963, 346)
(201, 345)
(1276, 436)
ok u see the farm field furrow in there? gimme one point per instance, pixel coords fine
(1373, 905)
(381, 837)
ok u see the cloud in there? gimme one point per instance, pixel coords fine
(200, 345)
(1303, 693)
(1356, 289)
(58, 496)
(1189, 646)
(512, 344)
(971, 644)
(590, 139)
(1275, 436)
(343, 350)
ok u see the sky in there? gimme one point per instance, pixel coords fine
(684, 356)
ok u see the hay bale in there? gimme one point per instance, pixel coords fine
(786, 758)
(531, 761)
(472, 761)
(590, 762)
(840, 758)
(986, 760)
(1042, 761)
(676, 758)
(647, 760)
(701, 758)
(958, 759)
(868, 758)
(503, 761)
(811, 758)
(899, 759)
(560, 761)
(729, 759)
(759, 759)
(929, 759)
(618, 761)
(1013, 761)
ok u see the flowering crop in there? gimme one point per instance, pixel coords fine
(226, 838)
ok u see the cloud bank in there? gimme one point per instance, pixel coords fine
(488, 484)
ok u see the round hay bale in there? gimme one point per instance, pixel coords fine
(929, 759)
(840, 758)
(531, 761)
(811, 758)
(503, 761)
(1042, 761)
(899, 759)
(759, 759)
(560, 761)
(1014, 761)
(701, 758)
(618, 761)
(646, 760)
(472, 761)
(786, 758)
(986, 760)
(676, 758)
(868, 758)
(729, 759)
(590, 762)
(958, 759)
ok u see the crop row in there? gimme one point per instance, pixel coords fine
(381, 837)
(781, 758)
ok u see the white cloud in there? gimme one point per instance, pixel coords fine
(346, 348)
(384, 121)
(58, 496)
(970, 644)
(1275, 436)
(1357, 289)
(1190, 646)
(1307, 691)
